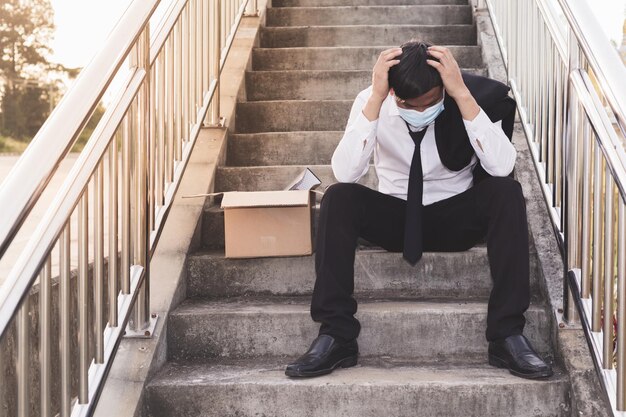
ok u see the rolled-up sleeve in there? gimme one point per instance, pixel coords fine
(496, 152)
(351, 158)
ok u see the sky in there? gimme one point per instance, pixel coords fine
(82, 26)
(608, 13)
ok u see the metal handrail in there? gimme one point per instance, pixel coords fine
(579, 158)
(155, 119)
(23, 187)
(602, 57)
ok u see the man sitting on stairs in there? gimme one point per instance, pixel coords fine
(443, 156)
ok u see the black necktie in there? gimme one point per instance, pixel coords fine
(413, 220)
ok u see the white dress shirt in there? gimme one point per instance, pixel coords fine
(387, 137)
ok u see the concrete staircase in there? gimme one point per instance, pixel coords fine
(423, 351)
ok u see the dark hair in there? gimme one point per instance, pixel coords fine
(412, 76)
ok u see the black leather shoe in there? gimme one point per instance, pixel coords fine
(517, 355)
(324, 355)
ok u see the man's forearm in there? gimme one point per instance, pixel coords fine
(467, 105)
(372, 107)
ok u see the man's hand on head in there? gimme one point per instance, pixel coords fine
(380, 82)
(448, 69)
(380, 74)
(453, 80)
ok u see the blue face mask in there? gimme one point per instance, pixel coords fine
(421, 119)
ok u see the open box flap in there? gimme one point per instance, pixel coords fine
(234, 199)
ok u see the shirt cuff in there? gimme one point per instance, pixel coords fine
(362, 126)
(476, 127)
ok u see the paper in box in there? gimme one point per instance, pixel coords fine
(267, 223)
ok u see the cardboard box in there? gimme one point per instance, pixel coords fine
(267, 223)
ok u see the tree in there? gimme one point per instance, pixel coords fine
(26, 28)
(24, 109)
(12, 117)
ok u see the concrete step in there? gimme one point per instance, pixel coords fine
(377, 273)
(306, 85)
(370, 15)
(271, 178)
(370, 389)
(345, 58)
(366, 35)
(310, 85)
(322, 3)
(421, 330)
(292, 115)
(282, 148)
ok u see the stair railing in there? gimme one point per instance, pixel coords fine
(570, 87)
(59, 335)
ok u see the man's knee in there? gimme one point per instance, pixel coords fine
(503, 192)
(341, 193)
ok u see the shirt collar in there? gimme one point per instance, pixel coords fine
(393, 107)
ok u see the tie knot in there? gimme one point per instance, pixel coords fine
(416, 136)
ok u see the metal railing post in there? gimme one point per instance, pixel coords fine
(193, 57)
(23, 360)
(205, 64)
(572, 134)
(98, 264)
(174, 84)
(186, 116)
(83, 298)
(125, 260)
(45, 334)
(585, 284)
(598, 170)
(141, 55)
(608, 305)
(571, 185)
(113, 235)
(621, 306)
(64, 320)
(217, 56)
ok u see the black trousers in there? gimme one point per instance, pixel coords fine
(495, 207)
